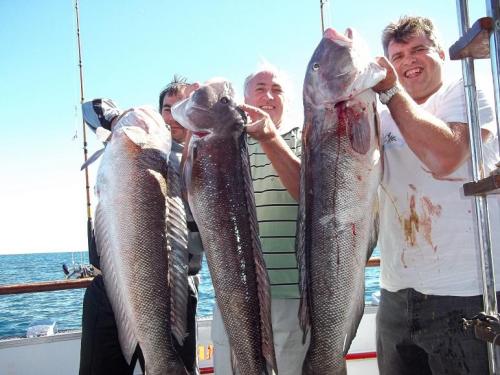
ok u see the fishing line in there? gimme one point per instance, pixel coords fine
(325, 15)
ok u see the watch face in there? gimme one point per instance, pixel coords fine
(386, 96)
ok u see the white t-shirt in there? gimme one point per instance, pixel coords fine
(427, 233)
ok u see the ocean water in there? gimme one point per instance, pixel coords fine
(65, 306)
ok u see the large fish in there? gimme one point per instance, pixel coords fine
(220, 194)
(141, 233)
(338, 221)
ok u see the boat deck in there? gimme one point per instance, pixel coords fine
(59, 354)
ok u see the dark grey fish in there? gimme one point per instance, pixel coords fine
(141, 236)
(338, 219)
(220, 195)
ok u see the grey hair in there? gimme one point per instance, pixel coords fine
(265, 66)
(292, 108)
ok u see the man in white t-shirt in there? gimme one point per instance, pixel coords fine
(430, 268)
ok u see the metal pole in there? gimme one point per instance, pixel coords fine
(84, 132)
(493, 11)
(481, 204)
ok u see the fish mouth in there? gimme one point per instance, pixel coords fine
(200, 134)
(242, 114)
(413, 72)
(204, 133)
(336, 37)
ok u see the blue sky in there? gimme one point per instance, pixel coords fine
(131, 49)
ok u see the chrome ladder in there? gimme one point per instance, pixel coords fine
(479, 42)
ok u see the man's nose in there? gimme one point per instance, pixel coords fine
(409, 58)
(269, 95)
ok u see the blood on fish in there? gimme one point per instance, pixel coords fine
(343, 119)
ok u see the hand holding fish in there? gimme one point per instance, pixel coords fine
(260, 127)
(390, 79)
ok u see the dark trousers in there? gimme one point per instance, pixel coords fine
(422, 334)
(100, 351)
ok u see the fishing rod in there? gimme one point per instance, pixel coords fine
(90, 225)
(322, 4)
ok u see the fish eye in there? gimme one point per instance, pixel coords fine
(224, 100)
(315, 66)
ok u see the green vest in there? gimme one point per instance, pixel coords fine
(277, 217)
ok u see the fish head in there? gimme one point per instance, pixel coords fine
(211, 109)
(145, 128)
(339, 69)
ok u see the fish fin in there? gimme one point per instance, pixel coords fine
(96, 155)
(358, 130)
(187, 167)
(369, 76)
(136, 134)
(145, 128)
(359, 307)
(114, 291)
(262, 277)
(234, 362)
(178, 256)
(374, 73)
(301, 248)
(374, 230)
(378, 132)
(103, 134)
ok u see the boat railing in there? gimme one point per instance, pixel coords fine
(49, 286)
(45, 286)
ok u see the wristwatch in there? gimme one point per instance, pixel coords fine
(386, 96)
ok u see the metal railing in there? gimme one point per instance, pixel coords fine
(49, 286)
(478, 170)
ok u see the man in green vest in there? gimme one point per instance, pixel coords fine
(274, 147)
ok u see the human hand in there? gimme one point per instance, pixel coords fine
(260, 127)
(390, 79)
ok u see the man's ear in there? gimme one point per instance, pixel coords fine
(442, 54)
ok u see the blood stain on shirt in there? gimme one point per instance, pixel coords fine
(430, 211)
(411, 224)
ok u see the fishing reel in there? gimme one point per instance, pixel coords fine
(486, 327)
(78, 271)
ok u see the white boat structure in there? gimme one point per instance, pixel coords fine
(60, 353)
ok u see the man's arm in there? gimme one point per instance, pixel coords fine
(441, 146)
(284, 161)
